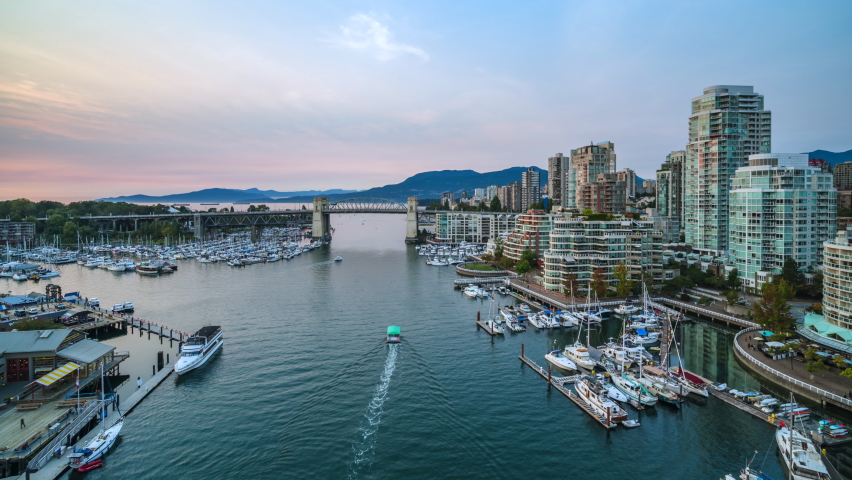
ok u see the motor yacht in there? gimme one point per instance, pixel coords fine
(801, 458)
(198, 349)
(556, 359)
(596, 395)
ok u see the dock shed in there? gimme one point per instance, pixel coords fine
(31, 354)
(75, 316)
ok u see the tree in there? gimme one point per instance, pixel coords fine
(844, 212)
(537, 206)
(599, 282)
(588, 212)
(232, 208)
(732, 296)
(815, 366)
(847, 373)
(814, 289)
(498, 248)
(528, 256)
(55, 224)
(625, 285)
(523, 267)
(571, 286)
(790, 272)
(772, 310)
(69, 232)
(839, 361)
(483, 207)
(506, 263)
(487, 257)
(734, 279)
(495, 204)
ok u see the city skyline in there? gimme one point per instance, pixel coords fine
(157, 98)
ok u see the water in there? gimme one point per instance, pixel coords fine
(306, 387)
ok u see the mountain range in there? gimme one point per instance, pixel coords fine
(424, 185)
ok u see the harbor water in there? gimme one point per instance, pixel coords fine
(306, 387)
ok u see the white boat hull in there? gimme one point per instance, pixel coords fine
(188, 366)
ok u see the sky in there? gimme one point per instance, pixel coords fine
(107, 98)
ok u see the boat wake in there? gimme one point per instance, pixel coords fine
(365, 442)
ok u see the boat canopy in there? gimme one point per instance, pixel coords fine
(393, 330)
(641, 332)
(766, 333)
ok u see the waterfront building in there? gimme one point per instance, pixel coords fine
(578, 246)
(727, 124)
(669, 192)
(628, 176)
(14, 233)
(473, 227)
(604, 195)
(29, 355)
(843, 176)
(530, 188)
(532, 230)
(780, 207)
(557, 165)
(837, 281)
(448, 198)
(669, 226)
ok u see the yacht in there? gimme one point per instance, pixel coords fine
(627, 309)
(198, 349)
(556, 359)
(89, 457)
(595, 394)
(801, 458)
(579, 354)
(659, 390)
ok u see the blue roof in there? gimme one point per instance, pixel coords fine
(17, 300)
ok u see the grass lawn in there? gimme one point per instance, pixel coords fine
(482, 267)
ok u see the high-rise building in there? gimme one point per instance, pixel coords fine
(586, 164)
(650, 186)
(455, 227)
(628, 176)
(515, 194)
(604, 195)
(557, 165)
(727, 124)
(837, 288)
(670, 186)
(530, 188)
(448, 198)
(843, 176)
(780, 208)
(491, 192)
(479, 192)
(504, 194)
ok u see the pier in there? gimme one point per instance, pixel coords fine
(559, 384)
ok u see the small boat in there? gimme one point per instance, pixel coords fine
(198, 349)
(557, 359)
(393, 334)
(91, 465)
(631, 423)
(627, 309)
(338, 258)
(128, 307)
(96, 448)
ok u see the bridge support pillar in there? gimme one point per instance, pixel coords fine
(198, 226)
(411, 228)
(321, 220)
(256, 232)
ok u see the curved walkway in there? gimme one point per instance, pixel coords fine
(831, 386)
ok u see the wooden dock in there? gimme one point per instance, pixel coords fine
(559, 384)
(744, 406)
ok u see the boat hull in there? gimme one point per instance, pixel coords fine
(188, 367)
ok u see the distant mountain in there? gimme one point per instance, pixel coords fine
(832, 157)
(221, 195)
(432, 184)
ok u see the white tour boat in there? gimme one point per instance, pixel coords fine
(556, 359)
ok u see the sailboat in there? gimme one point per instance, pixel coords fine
(88, 457)
(579, 353)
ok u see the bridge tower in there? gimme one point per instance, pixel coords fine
(321, 219)
(411, 229)
(197, 226)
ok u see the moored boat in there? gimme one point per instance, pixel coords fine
(394, 334)
(198, 349)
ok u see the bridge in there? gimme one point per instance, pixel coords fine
(203, 222)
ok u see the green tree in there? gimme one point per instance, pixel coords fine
(772, 310)
(625, 285)
(498, 248)
(483, 206)
(815, 366)
(733, 279)
(55, 223)
(37, 324)
(790, 272)
(814, 289)
(495, 204)
(69, 232)
(847, 373)
(523, 267)
(839, 361)
(232, 208)
(570, 285)
(506, 262)
(588, 212)
(732, 296)
(844, 212)
(599, 282)
(528, 256)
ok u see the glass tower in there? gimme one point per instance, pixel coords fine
(727, 124)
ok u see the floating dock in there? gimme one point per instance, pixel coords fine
(559, 384)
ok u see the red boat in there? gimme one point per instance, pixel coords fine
(91, 466)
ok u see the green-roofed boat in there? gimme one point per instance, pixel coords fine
(393, 334)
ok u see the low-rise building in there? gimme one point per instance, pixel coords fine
(578, 246)
(14, 233)
(473, 227)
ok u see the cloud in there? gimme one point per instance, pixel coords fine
(363, 32)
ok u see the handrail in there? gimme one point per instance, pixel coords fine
(82, 418)
(783, 376)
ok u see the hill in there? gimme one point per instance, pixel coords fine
(432, 184)
(226, 195)
(832, 157)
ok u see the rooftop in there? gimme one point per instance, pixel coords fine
(32, 341)
(86, 351)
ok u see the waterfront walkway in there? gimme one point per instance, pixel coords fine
(829, 387)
